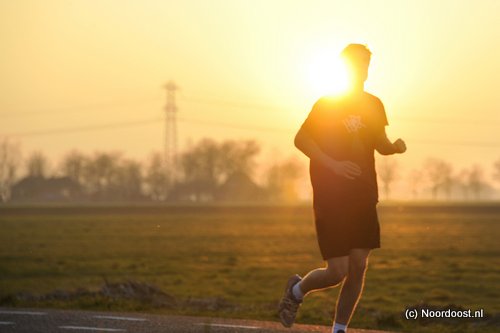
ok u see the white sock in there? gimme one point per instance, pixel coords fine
(297, 293)
(337, 327)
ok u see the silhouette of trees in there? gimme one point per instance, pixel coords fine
(128, 182)
(104, 175)
(73, 166)
(239, 157)
(447, 178)
(207, 171)
(201, 171)
(433, 175)
(439, 173)
(37, 165)
(472, 182)
(207, 165)
(476, 181)
(100, 173)
(10, 160)
(156, 179)
(282, 180)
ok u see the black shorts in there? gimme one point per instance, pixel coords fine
(342, 226)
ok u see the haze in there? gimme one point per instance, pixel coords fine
(245, 72)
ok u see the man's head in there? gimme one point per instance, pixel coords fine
(357, 58)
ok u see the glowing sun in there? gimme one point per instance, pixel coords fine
(327, 74)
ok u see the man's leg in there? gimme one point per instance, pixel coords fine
(321, 278)
(353, 285)
(317, 279)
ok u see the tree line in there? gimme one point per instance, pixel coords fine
(208, 171)
(437, 179)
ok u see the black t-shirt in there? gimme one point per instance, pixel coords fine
(347, 129)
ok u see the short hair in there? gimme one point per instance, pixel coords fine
(353, 50)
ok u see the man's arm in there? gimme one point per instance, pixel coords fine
(385, 147)
(306, 144)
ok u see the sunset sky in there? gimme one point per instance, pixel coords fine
(247, 70)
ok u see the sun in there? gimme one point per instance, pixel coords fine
(326, 74)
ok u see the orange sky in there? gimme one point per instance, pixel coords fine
(245, 71)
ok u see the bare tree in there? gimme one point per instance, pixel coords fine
(387, 172)
(208, 164)
(472, 182)
(37, 164)
(100, 173)
(238, 157)
(73, 166)
(156, 179)
(476, 181)
(128, 181)
(282, 180)
(10, 160)
(201, 166)
(432, 171)
(439, 173)
(447, 178)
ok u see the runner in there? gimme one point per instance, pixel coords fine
(340, 136)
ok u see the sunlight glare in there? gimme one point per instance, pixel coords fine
(327, 74)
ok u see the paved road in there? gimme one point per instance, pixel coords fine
(72, 321)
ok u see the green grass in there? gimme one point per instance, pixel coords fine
(243, 256)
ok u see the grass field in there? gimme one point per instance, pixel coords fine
(234, 261)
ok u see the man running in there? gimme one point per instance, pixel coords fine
(340, 136)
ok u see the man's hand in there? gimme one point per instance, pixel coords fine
(345, 169)
(399, 146)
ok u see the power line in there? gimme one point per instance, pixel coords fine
(87, 128)
(237, 104)
(98, 106)
(144, 122)
(74, 109)
(224, 125)
(455, 143)
(460, 121)
(262, 106)
(226, 103)
(237, 126)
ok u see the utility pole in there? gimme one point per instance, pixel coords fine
(171, 131)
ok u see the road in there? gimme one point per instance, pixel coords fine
(74, 321)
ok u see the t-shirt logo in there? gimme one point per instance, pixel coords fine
(353, 123)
